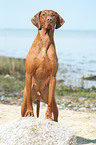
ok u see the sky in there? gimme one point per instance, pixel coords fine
(78, 14)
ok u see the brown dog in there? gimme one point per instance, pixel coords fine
(42, 66)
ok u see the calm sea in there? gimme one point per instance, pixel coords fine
(76, 52)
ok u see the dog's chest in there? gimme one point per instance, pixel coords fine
(44, 68)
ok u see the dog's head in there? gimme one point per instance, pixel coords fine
(47, 19)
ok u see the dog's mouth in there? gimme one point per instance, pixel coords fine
(49, 26)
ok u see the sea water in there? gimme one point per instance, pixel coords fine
(76, 51)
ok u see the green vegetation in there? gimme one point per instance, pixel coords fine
(12, 65)
(10, 83)
(87, 93)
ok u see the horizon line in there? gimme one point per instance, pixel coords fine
(37, 29)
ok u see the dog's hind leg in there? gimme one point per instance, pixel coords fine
(55, 110)
(38, 107)
(24, 104)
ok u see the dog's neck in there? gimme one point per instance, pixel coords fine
(46, 34)
(45, 39)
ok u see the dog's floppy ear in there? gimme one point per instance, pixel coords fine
(36, 20)
(60, 21)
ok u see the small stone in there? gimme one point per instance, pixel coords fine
(82, 109)
(60, 80)
(2, 97)
(89, 77)
(93, 109)
(7, 76)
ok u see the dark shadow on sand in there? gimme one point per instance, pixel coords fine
(81, 140)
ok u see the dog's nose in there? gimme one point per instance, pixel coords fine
(49, 19)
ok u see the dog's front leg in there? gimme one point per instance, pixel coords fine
(28, 80)
(52, 85)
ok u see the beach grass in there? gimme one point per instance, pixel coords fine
(10, 65)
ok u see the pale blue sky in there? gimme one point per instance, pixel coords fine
(78, 14)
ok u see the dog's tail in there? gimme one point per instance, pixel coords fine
(38, 107)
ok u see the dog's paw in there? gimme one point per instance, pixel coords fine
(29, 113)
(48, 115)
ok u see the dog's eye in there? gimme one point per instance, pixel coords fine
(43, 14)
(53, 15)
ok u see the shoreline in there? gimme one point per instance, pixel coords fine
(12, 77)
(79, 99)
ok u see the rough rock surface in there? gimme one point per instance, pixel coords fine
(33, 131)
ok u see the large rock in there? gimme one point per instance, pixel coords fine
(32, 131)
(89, 77)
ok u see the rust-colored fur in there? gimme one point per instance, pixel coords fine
(42, 66)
